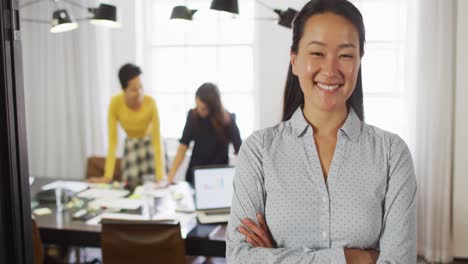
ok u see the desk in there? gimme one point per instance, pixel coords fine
(61, 229)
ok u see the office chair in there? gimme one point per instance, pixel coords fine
(135, 241)
(37, 244)
(96, 165)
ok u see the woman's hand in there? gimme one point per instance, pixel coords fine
(359, 256)
(170, 179)
(256, 235)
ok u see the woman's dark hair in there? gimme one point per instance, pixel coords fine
(293, 95)
(128, 72)
(209, 94)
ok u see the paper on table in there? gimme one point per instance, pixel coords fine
(102, 193)
(97, 220)
(42, 211)
(158, 193)
(187, 221)
(96, 185)
(75, 186)
(119, 203)
(101, 185)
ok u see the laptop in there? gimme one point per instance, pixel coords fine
(213, 193)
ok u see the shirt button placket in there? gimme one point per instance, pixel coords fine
(324, 235)
(325, 220)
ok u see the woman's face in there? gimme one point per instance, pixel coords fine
(327, 61)
(134, 90)
(202, 108)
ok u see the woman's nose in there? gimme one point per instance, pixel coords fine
(330, 66)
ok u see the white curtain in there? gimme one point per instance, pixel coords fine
(430, 53)
(68, 82)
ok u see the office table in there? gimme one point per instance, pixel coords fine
(61, 229)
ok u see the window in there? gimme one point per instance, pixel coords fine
(383, 65)
(181, 55)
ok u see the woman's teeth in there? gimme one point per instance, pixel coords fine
(328, 87)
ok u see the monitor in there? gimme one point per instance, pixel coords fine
(213, 187)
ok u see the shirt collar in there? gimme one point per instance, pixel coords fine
(352, 126)
(298, 122)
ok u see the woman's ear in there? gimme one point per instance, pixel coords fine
(293, 57)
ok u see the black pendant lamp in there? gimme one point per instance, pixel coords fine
(182, 12)
(61, 22)
(104, 15)
(286, 18)
(230, 6)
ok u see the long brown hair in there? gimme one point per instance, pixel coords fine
(220, 119)
(293, 95)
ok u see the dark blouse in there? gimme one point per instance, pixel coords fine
(207, 149)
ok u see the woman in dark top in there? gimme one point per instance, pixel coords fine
(212, 128)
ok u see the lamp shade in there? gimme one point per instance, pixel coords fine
(182, 12)
(286, 18)
(230, 6)
(105, 15)
(61, 22)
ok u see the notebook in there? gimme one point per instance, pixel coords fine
(213, 193)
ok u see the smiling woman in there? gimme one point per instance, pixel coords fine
(323, 186)
(327, 61)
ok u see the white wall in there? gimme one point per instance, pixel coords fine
(460, 183)
(271, 60)
(123, 46)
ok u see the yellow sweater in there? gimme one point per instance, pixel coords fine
(137, 124)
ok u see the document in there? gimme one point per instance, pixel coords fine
(187, 221)
(102, 193)
(97, 220)
(158, 193)
(74, 186)
(116, 203)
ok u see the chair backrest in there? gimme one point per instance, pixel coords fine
(135, 241)
(96, 165)
(37, 242)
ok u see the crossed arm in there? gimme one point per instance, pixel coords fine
(249, 239)
(258, 235)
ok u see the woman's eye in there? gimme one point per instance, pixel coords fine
(346, 56)
(316, 54)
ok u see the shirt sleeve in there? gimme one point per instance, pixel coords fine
(248, 199)
(187, 135)
(234, 134)
(157, 143)
(398, 237)
(112, 134)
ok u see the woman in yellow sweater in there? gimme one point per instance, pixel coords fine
(138, 116)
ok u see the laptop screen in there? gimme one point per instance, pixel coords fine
(213, 187)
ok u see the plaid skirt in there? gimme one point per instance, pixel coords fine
(138, 160)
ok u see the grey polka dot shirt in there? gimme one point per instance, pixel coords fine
(368, 202)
